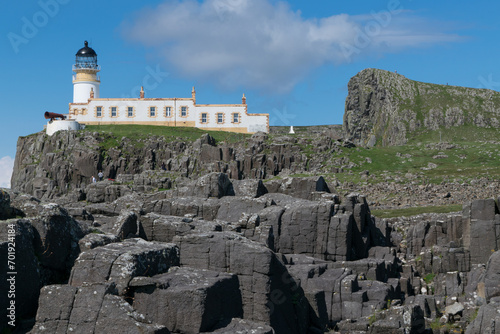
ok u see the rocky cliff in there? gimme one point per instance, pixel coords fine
(47, 167)
(387, 108)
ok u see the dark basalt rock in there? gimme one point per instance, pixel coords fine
(6, 211)
(187, 300)
(91, 308)
(28, 278)
(214, 254)
(487, 319)
(268, 293)
(119, 262)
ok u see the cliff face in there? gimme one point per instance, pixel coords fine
(47, 167)
(386, 108)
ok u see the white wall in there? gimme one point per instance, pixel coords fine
(248, 122)
(81, 91)
(59, 125)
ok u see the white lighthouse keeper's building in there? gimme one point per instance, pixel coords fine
(89, 108)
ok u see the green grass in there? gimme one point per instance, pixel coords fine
(429, 278)
(475, 154)
(407, 212)
(137, 132)
(473, 315)
(464, 134)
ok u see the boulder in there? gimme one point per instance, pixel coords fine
(132, 202)
(270, 217)
(79, 213)
(56, 241)
(126, 226)
(187, 300)
(454, 309)
(249, 188)
(94, 240)
(231, 209)
(165, 228)
(210, 185)
(398, 320)
(205, 208)
(483, 239)
(90, 308)
(149, 180)
(122, 261)
(301, 187)
(339, 238)
(268, 292)
(210, 153)
(17, 237)
(245, 326)
(330, 282)
(6, 210)
(259, 137)
(283, 199)
(483, 209)
(427, 303)
(305, 229)
(489, 285)
(25, 205)
(96, 192)
(205, 139)
(372, 269)
(487, 320)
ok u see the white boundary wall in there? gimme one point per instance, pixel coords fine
(60, 125)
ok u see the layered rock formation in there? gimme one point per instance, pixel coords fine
(385, 108)
(232, 258)
(47, 167)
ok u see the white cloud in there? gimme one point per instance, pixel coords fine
(6, 168)
(266, 45)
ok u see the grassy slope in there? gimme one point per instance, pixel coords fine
(139, 132)
(476, 153)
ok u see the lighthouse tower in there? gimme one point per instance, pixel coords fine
(85, 80)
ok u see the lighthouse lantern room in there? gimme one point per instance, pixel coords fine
(85, 80)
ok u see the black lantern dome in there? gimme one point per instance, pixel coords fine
(86, 58)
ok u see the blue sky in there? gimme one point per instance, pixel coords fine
(292, 59)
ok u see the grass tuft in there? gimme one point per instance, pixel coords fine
(407, 212)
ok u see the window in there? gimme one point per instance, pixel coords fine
(220, 118)
(98, 111)
(152, 111)
(168, 111)
(113, 112)
(130, 111)
(236, 117)
(204, 117)
(183, 111)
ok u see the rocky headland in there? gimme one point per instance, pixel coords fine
(386, 108)
(269, 233)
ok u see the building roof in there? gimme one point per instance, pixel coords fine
(86, 51)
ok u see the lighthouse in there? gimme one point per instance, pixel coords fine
(85, 80)
(88, 108)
